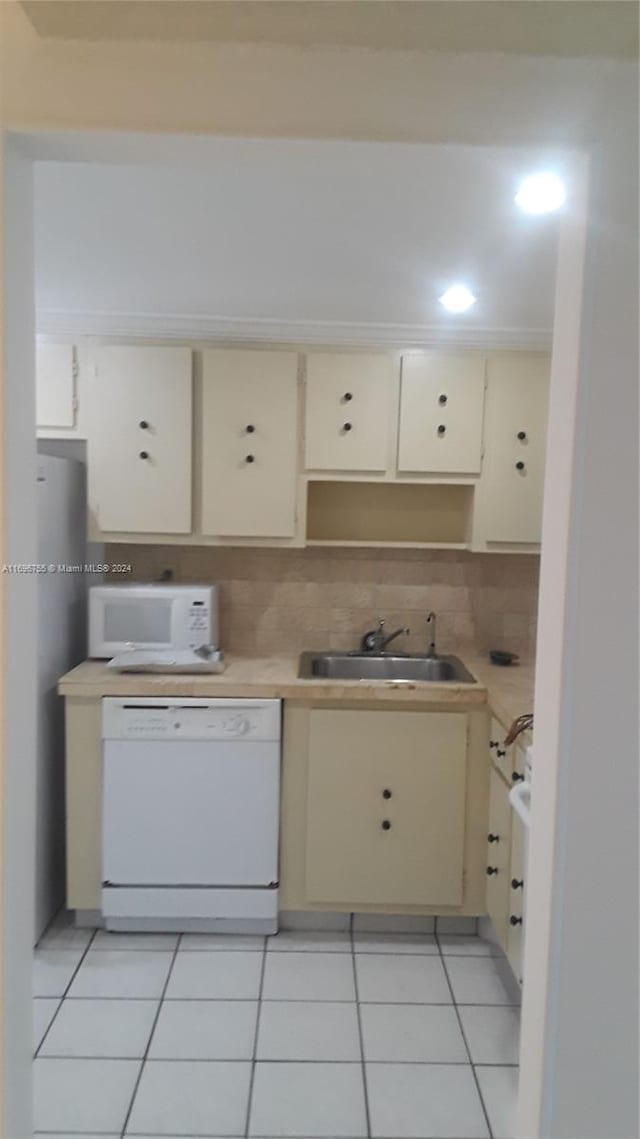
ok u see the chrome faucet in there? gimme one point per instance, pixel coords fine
(375, 641)
(431, 643)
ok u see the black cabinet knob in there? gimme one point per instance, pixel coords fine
(517, 777)
(501, 752)
(520, 465)
(144, 454)
(386, 825)
(386, 794)
(249, 429)
(494, 743)
(441, 429)
(144, 425)
(442, 399)
(514, 920)
(493, 838)
(347, 426)
(517, 883)
(492, 870)
(347, 397)
(522, 435)
(250, 459)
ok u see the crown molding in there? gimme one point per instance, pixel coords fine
(153, 326)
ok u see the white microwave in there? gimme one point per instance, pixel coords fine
(122, 617)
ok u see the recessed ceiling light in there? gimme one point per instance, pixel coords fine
(457, 298)
(541, 193)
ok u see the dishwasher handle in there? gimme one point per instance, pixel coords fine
(520, 799)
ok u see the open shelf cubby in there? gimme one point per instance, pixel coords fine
(403, 514)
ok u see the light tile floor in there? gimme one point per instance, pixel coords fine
(328, 1035)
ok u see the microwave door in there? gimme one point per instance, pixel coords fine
(144, 622)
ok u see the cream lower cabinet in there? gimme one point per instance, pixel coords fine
(249, 443)
(498, 855)
(383, 809)
(350, 398)
(441, 407)
(508, 497)
(515, 919)
(139, 450)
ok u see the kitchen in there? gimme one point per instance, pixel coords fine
(341, 528)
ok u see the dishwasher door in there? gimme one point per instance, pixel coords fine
(190, 813)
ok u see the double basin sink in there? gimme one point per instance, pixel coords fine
(384, 666)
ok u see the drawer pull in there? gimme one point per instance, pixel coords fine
(514, 920)
(517, 883)
(492, 870)
(522, 435)
(494, 743)
(442, 399)
(519, 465)
(441, 429)
(516, 777)
(500, 752)
(493, 838)
(386, 794)
(144, 424)
(347, 397)
(386, 825)
(144, 454)
(249, 429)
(347, 426)
(250, 459)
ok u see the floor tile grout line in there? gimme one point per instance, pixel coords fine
(363, 1065)
(62, 999)
(466, 1043)
(151, 1034)
(252, 1074)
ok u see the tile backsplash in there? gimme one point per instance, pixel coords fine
(275, 602)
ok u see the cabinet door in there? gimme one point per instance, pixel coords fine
(249, 443)
(386, 807)
(139, 452)
(498, 855)
(515, 922)
(509, 493)
(348, 402)
(441, 408)
(55, 385)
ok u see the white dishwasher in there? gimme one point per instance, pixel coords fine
(190, 816)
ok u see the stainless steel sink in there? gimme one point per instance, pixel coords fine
(383, 666)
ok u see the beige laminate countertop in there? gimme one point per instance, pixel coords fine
(509, 691)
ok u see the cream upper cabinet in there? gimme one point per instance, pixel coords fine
(499, 855)
(508, 498)
(386, 807)
(349, 403)
(441, 411)
(56, 400)
(139, 452)
(249, 443)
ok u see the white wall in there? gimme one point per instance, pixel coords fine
(18, 789)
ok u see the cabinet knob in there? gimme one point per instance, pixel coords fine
(250, 459)
(442, 399)
(522, 435)
(347, 397)
(517, 883)
(492, 870)
(441, 429)
(143, 424)
(501, 752)
(494, 743)
(493, 838)
(144, 454)
(249, 429)
(516, 777)
(520, 465)
(514, 920)
(386, 794)
(386, 825)
(347, 426)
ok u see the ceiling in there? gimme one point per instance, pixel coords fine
(566, 28)
(296, 240)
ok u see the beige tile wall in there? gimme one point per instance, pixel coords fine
(285, 601)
